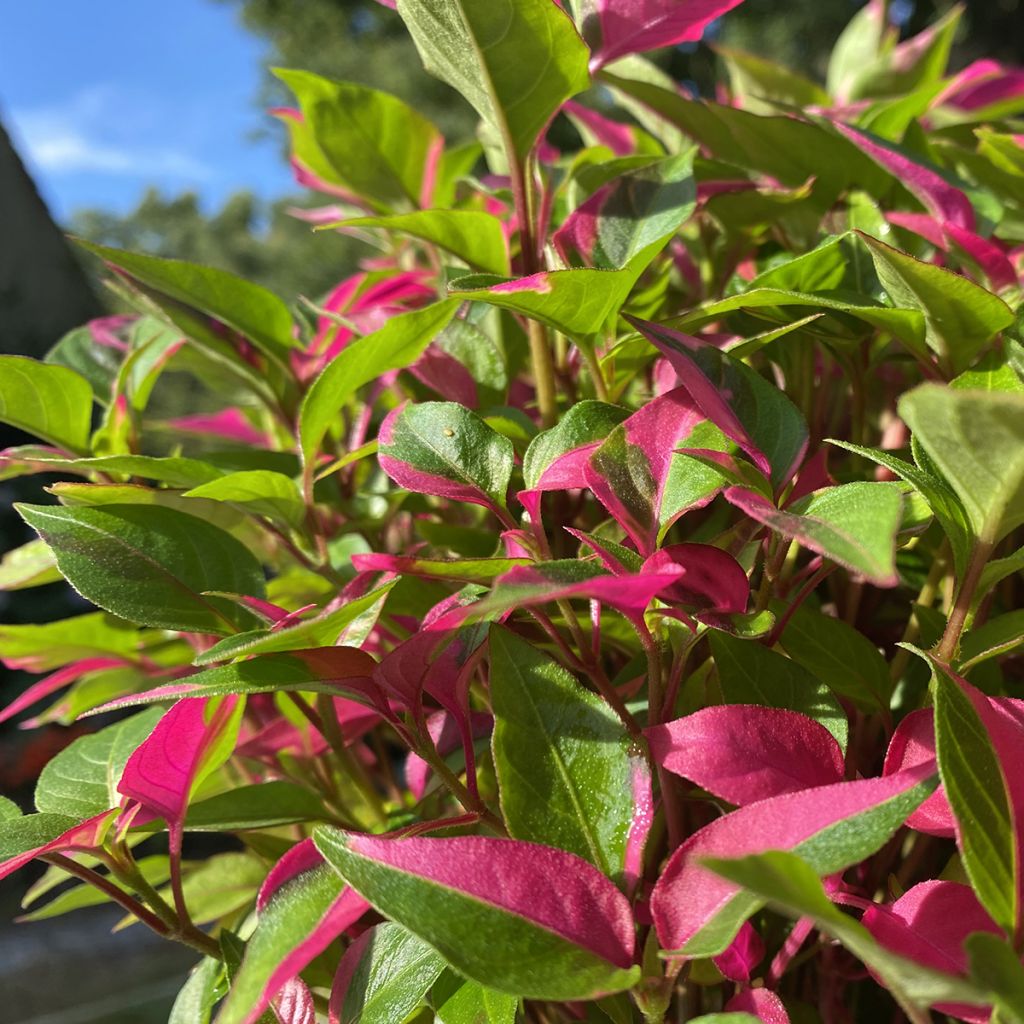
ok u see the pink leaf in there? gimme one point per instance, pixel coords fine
(616, 135)
(56, 681)
(737, 963)
(634, 26)
(294, 1003)
(575, 902)
(710, 580)
(928, 924)
(230, 424)
(640, 825)
(982, 84)
(674, 346)
(743, 753)
(88, 835)
(445, 733)
(912, 744)
(760, 1003)
(942, 200)
(687, 896)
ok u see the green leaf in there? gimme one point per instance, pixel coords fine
(961, 318)
(261, 805)
(221, 885)
(324, 630)
(457, 1001)
(576, 302)
(994, 572)
(977, 789)
(993, 372)
(753, 78)
(150, 565)
(787, 883)
(30, 831)
(976, 439)
(515, 61)
(50, 402)
(997, 636)
(8, 809)
(39, 648)
(941, 498)
(248, 308)
(852, 524)
(393, 973)
(585, 423)
(749, 673)
(858, 45)
(480, 936)
(995, 966)
(476, 238)
(396, 345)
(831, 649)
(631, 213)
(371, 142)
(194, 1003)
(562, 757)
(260, 492)
(81, 781)
(31, 565)
(442, 448)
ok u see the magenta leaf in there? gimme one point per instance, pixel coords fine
(745, 952)
(710, 581)
(929, 924)
(294, 1003)
(831, 827)
(548, 925)
(912, 744)
(615, 28)
(745, 753)
(630, 473)
(303, 907)
(56, 681)
(761, 1003)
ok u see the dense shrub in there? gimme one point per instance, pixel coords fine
(601, 607)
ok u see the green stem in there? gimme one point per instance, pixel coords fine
(925, 598)
(475, 805)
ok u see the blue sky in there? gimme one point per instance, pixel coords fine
(104, 98)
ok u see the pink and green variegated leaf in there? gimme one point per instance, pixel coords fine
(191, 740)
(751, 412)
(558, 745)
(761, 1003)
(56, 681)
(339, 671)
(443, 449)
(628, 214)
(913, 743)
(710, 581)
(383, 976)
(630, 472)
(465, 570)
(515, 916)
(24, 838)
(852, 524)
(616, 28)
(570, 578)
(831, 827)
(744, 753)
(303, 907)
(929, 925)
(979, 744)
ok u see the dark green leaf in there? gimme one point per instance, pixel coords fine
(150, 565)
(996, 966)
(562, 757)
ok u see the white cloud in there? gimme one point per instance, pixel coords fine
(76, 137)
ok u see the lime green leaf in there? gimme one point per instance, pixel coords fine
(474, 237)
(562, 757)
(457, 1001)
(31, 565)
(998, 636)
(961, 318)
(250, 309)
(397, 344)
(261, 492)
(789, 884)
(150, 565)
(515, 61)
(194, 1003)
(51, 402)
(852, 524)
(976, 439)
(371, 142)
(996, 966)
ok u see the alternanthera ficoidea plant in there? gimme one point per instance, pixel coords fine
(605, 605)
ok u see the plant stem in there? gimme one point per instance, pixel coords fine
(924, 598)
(475, 805)
(947, 647)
